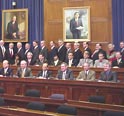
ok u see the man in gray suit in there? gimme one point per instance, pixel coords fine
(23, 71)
(86, 74)
(108, 74)
(101, 61)
(85, 59)
(64, 73)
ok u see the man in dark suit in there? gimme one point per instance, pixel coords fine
(12, 29)
(52, 52)
(76, 26)
(56, 61)
(45, 73)
(27, 49)
(61, 51)
(98, 49)
(23, 71)
(71, 61)
(20, 51)
(64, 73)
(119, 62)
(10, 54)
(86, 48)
(5, 70)
(77, 52)
(35, 51)
(43, 49)
(29, 59)
(2, 51)
(108, 74)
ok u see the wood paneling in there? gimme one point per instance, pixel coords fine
(101, 21)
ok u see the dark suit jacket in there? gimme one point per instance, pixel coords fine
(73, 25)
(48, 75)
(28, 72)
(120, 65)
(44, 51)
(31, 62)
(90, 52)
(58, 63)
(9, 72)
(25, 54)
(62, 53)
(95, 56)
(52, 53)
(9, 57)
(35, 54)
(68, 76)
(78, 55)
(74, 62)
(112, 76)
(1, 55)
(12, 28)
(21, 54)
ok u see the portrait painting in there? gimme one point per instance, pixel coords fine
(15, 25)
(76, 24)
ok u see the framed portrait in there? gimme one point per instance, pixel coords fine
(76, 24)
(15, 25)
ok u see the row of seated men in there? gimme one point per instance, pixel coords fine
(37, 54)
(64, 73)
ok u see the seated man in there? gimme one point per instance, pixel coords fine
(56, 61)
(101, 61)
(108, 74)
(23, 71)
(86, 74)
(5, 71)
(64, 73)
(70, 60)
(85, 59)
(29, 59)
(45, 73)
(119, 61)
(41, 59)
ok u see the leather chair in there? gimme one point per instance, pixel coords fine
(97, 99)
(111, 113)
(36, 106)
(32, 93)
(63, 109)
(57, 96)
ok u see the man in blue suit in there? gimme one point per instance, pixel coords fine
(64, 73)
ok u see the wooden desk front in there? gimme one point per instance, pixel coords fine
(83, 108)
(73, 90)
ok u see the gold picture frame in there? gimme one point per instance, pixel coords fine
(76, 24)
(15, 25)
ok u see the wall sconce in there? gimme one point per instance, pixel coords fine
(14, 4)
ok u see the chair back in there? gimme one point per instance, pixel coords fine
(32, 93)
(57, 96)
(36, 106)
(63, 109)
(2, 90)
(2, 102)
(97, 99)
(111, 113)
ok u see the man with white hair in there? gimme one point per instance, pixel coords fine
(23, 71)
(6, 71)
